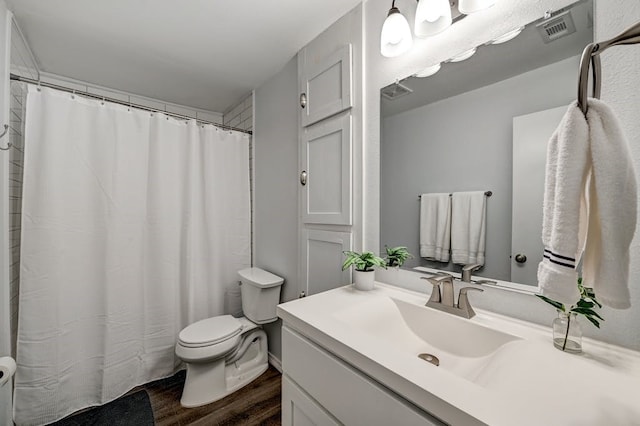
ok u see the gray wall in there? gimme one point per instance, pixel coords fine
(275, 206)
(463, 143)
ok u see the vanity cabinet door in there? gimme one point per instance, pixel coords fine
(325, 85)
(350, 396)
(299, 409)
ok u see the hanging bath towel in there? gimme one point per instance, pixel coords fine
(435, 226)
(468, 227)
(589, 207)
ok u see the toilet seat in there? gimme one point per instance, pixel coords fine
(210, 331)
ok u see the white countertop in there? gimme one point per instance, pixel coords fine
(526, 381)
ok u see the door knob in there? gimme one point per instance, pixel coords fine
(521, 258)
(303, 178)
(303, 100)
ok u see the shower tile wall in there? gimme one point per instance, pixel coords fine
(16, 159)
(241, 114)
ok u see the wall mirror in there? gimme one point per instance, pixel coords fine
(482, 125)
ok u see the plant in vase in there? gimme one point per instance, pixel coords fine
(363, 264)
(567, 334)
(396, 256)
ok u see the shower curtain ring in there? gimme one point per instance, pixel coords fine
(6, 129)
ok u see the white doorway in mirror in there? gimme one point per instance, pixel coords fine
(531, 133)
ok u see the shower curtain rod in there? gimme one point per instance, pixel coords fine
(120, 102)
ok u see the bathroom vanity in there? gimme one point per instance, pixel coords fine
(352, 357)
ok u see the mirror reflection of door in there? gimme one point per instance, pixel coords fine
(531, 133)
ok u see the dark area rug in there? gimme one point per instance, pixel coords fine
(130, 410)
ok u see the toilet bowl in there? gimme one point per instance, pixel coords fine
(224, 353)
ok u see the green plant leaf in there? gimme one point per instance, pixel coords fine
(396, 256)
(593, 321)
(587, 312)
(552, 302)
(362, 261)
(584, 304)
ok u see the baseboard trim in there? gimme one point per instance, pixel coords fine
(275, 362)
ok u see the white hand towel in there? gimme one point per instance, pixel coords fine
(566, 172)
(435, 226)
(612, 208)
(468, 227)
(588, 155)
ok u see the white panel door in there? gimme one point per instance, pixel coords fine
(326, 172)
(322, 260)
(531, 134)
(325, 86)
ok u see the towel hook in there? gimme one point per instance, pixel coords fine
(6, 129)
(590, 59)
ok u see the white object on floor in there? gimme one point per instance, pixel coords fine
(7, 369)
(435, 226)
(224, 353)
(468, 227)
(590, 205)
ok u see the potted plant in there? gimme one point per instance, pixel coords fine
(363, 264)
(567, 333)
(396, 256)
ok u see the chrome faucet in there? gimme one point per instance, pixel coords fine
(444, 301)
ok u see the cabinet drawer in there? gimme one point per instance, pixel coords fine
(347, 394)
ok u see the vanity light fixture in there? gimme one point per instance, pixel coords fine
(429, 71)
(464, 55)
(396, 35)
(507, 36)
(432, 17)
(472, 6)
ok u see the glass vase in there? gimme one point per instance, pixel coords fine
(567, 333)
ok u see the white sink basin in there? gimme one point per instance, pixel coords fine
(492, 369)
(461, 346)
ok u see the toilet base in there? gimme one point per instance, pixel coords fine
(211, 381)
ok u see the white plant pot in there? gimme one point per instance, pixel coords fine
(363, 280)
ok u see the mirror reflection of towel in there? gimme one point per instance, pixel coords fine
(435, 226)
(468, 227)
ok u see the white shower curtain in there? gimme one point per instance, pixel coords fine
(133, 226)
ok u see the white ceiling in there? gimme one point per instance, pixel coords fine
(201, 53)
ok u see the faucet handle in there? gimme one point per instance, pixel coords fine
(439, 278)
(464, 290)
(436, 280)
(472, 267)
(463, 301)
(467, 270)
(445, 295)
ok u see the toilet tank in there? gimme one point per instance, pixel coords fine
(260, 294)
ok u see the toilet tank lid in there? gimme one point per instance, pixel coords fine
(210, 331)
(259, 277)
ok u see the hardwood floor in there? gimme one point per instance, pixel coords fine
(258, 403)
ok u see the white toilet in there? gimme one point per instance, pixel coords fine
(224, 353)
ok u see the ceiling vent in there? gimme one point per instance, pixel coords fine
(556, 27)
(395, 91)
